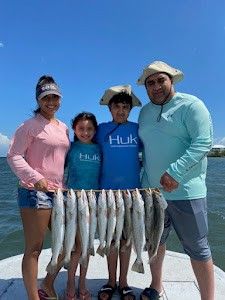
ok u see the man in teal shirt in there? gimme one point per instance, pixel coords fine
(176, 132)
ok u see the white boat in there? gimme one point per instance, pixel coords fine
(179, 282)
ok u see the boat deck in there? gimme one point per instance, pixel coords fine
(178, 280)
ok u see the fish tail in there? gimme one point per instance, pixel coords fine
(138, 267)
(91, 251)
(65, 263)
(51, 269)
(151, 256)
(100, 251)
(83, 261)
(117, 245)
(106, 250)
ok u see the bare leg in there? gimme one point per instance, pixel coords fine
(112, 260)
(124, 264)
(156, 268)
(84, 294)
(48, 282)
(205, 276)
(35, 224)
(75, 256)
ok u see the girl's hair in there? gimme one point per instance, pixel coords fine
(41, 81)
(121, 98)
(84, 116)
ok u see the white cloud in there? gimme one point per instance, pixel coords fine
(1, 45)
(219, 141)
(4, 144)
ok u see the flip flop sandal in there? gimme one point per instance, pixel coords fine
(44, 296)
(108, 290)
(126, 291)
(150, 294)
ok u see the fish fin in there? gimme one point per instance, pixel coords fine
(151, 258)
(117, 245)
(65, 264)
(106, 250)
(138, 267)
(83, 261)
(147, 246)
(100, 251)
(91, 251)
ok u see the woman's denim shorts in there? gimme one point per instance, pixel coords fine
(34, 199)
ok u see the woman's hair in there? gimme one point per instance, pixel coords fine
(41, 81)
(121, 98)
(83, 116)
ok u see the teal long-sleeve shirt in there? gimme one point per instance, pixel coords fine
(177, 144)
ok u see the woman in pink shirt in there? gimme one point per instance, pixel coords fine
(37, 155)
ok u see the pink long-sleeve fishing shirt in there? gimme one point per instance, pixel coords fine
(38, 150)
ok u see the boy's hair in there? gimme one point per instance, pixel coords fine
(121, 98)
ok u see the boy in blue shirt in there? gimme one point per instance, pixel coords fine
(120, 147)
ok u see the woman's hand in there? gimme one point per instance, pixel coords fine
(169, 183)
(41, 185)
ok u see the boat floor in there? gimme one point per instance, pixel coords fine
(178, 278)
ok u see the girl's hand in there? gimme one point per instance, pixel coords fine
(41, 185)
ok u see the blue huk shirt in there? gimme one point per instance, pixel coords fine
(120, 147)
(83, 163)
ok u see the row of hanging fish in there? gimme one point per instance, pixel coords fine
(138, 215)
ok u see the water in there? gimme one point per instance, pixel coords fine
(11, 234)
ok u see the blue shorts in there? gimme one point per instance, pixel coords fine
(189, 220)
(34, 199)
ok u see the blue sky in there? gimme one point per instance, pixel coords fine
(90, 45)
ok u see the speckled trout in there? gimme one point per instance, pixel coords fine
(57, 230)
(84, 224)
(149, 217)
(119, 218)
(127, 229)
(102, 221)
(138, 223)
(71, 225)
(111, 224)
(159, 204)
(93, 221)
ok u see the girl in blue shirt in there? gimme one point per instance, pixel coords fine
(83, 164)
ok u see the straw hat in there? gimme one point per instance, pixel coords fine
(112, 91)
(160, 67)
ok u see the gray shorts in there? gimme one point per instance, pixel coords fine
(190, 222)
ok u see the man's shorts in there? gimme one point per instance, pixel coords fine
(190, 222)
(34, 199)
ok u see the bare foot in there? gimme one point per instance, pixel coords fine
(84, 294)
(49, 291)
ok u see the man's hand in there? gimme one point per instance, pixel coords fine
(168, 183)
(41, 185)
